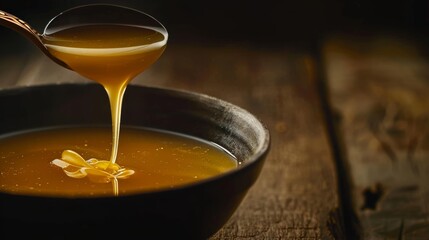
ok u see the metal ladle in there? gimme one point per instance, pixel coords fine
(10, 21)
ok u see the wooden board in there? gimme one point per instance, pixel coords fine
(380, 88)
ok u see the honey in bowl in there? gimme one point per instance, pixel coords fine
(191, 211)
(160, 159)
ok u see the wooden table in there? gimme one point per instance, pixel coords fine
(349, 156)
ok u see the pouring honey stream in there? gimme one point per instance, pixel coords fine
(111, 48)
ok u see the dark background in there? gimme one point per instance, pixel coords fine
(259, 23)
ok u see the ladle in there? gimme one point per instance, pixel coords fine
(10, 21)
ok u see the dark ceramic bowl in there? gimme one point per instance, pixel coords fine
(193, 211)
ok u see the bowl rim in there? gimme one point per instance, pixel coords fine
(259, 155)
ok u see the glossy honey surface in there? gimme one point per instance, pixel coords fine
(161, 160)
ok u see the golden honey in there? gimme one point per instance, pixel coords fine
(161, 160)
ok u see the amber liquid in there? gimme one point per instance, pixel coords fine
(161, 160)
(109, 54)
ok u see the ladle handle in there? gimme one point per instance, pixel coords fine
(10, 21)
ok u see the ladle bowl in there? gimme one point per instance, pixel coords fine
(81, 15)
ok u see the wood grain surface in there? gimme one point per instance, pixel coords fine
(380, 88)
